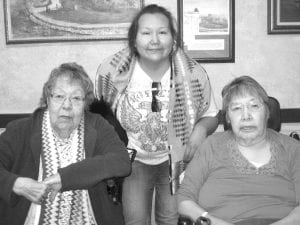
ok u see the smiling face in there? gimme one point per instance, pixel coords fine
(154, 40)
(248, 117)
(66, 105)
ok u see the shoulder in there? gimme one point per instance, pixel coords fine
(284, 141)
(283, 138)
(32, 119)
(219, 138)
(18, 126)
(25, 125)
(218, 143)
(98, 123)
(94, 119)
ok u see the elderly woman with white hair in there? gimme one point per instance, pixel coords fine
(248, 175)
(53, 164)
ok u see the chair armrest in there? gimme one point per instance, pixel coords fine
(295, 135)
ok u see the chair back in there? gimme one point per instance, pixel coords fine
(274, 121)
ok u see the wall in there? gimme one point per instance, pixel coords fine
(271, 59)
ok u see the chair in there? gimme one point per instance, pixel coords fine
(274, 121)
(114, 185)
(103, 108)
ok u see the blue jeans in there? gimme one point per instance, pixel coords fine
(138, 191)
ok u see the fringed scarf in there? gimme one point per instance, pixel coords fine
(189, 98)
(70, 207)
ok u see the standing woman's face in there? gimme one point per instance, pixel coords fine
(154, 40)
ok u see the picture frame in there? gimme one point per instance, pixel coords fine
(206, 29)
(283, 16)
(33, 21)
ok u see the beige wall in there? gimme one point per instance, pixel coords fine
(274, 60)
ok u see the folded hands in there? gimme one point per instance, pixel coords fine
(36, 191)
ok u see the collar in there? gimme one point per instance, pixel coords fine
(90, 134)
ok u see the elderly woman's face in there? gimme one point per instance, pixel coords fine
(66, 105)
(248, 117)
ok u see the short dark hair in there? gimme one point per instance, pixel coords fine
(150, 9)
(240, 86)
(74, 72)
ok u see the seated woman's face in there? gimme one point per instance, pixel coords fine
(66, 106)
(248, 117)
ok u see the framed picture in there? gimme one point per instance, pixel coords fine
(206, 29)
(31, 21)
(283, 16)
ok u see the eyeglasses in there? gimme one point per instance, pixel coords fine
(60, 99)
(156, 105)
(253, 106)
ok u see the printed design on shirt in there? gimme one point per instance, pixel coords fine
(149, 128)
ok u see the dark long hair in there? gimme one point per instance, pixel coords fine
(134, 27)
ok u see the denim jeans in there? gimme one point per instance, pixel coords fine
(138, 191)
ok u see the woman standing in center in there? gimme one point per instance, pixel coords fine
(163, 100)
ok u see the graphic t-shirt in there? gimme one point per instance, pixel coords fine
(146, 130)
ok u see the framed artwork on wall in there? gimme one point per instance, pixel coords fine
(283, 16)
(206, 29)
(31, 21)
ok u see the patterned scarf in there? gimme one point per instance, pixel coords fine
(70, 207)
(189, 97)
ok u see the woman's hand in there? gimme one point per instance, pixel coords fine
(204, 127)
(30, 189)
(192, 210)
(196, 139)
(54, 185)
